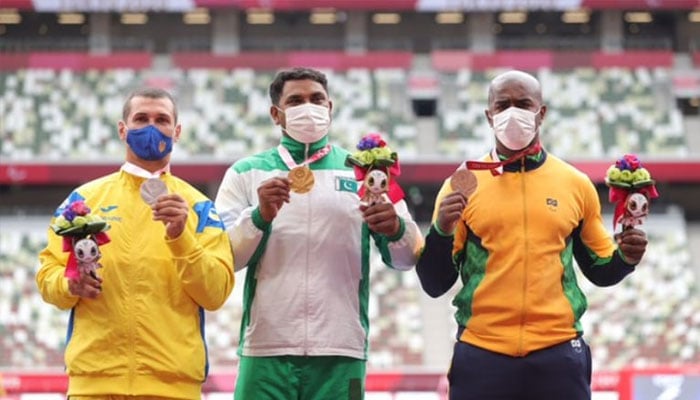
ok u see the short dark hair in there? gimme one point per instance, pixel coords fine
(151, 93)
(295, 74)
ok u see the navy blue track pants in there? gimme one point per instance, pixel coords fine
(560, 372)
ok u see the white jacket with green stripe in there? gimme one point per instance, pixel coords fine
(307, 284)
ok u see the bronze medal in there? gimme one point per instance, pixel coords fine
(302, 179)
(463, 181)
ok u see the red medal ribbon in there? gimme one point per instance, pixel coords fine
(493, 165)
(289, 161)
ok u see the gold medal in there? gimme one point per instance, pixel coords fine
(463, 181)
(302, 179)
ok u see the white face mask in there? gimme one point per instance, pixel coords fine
(307, 123)
(515, 127)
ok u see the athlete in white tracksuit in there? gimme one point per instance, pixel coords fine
(307, 283)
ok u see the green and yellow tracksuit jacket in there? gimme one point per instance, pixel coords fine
(513, 250)
(144, 334)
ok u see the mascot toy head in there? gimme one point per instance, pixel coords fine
(377, 181)
(376, 166)
(86, 251)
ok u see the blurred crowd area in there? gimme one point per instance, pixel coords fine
(64, 115)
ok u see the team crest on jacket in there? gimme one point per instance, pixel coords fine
(207, 215)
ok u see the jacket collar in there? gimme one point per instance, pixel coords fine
(528, 162)
(299, 150)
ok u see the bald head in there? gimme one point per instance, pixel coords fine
(515, 89)
(529, 83)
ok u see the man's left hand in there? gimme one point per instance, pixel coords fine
(633, 244)
(172, 210)
(381, 218)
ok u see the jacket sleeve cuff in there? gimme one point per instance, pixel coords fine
(258, 220)
(182, 245)
(624, 260)
(439, 231)
(400, 232)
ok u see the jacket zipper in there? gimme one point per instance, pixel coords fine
(526, 249)
(306, 265)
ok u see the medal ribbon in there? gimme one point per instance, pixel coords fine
(496, 166)
(289, 161)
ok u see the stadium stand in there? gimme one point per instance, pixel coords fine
(612, 86)
(648, 319)
(32, 332)
(592, 113)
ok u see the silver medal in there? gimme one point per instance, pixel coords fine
(151, 189)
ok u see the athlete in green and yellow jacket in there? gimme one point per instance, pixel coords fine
(512, 242)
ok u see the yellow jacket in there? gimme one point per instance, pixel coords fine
(144, 334)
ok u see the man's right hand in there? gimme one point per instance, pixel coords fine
(272, 194)
(450, 211)
(87, 286)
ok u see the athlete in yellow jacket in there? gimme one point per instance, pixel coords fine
(137, 327)
(512, 243)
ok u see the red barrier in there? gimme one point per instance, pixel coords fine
(451, 60)
(336, 60)
(77, 61)
(411, 172)
(72, 174)
(454, 60)
(640, 4)
(287, 5)
(14, 61)
(255, 60)
(633, 59)
(442, 60)
(529, 60)
(571, 59)
(18, 4)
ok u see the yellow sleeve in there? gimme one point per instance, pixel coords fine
(593, 232)
(444, 191)
(460, 234)
(50, 279)
(204, 262)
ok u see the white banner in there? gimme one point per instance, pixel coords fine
(496, 5)
(113, 5)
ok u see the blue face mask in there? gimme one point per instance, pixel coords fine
(149, 143)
